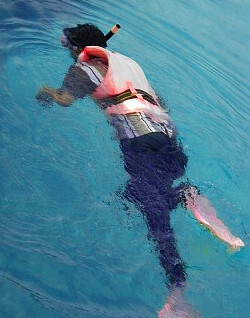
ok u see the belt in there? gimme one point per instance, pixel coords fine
(126, 95)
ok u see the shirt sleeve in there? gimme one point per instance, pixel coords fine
(77, 83)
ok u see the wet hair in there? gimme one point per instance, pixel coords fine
(84, 35)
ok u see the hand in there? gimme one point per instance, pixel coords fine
(45, 96)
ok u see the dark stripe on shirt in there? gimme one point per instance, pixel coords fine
(92, 72)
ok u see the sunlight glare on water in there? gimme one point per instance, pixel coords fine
(70, 245)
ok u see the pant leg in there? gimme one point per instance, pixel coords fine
(153, 169)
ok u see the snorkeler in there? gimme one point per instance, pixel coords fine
(153, 156)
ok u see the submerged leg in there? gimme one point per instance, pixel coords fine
(156, 210)
(156, 206)
(154, 162)
(205, 214)
(176, 305)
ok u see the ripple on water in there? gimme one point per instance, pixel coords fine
(69, 246)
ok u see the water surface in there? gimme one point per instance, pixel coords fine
(70, 246)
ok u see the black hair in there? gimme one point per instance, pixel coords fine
(85, 34)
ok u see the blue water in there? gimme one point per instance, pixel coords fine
(70, 246)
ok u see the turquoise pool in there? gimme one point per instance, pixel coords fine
(69, 245)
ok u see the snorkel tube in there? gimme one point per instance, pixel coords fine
(112, 31)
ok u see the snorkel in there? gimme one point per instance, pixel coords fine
(82, 57)
(112, 31)
(69, 43)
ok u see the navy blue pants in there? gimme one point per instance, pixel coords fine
(154, 162)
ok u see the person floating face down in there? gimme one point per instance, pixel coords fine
(152, 155)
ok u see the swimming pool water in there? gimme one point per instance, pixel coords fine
(70, 245)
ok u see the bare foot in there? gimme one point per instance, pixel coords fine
(177, 307)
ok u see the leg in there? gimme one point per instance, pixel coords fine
(153, 164)
(205, 214)
(155, 208)
(154, 161)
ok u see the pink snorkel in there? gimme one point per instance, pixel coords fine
(112, 31)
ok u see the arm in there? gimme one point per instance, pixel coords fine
(76, 85)
(62, 98)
